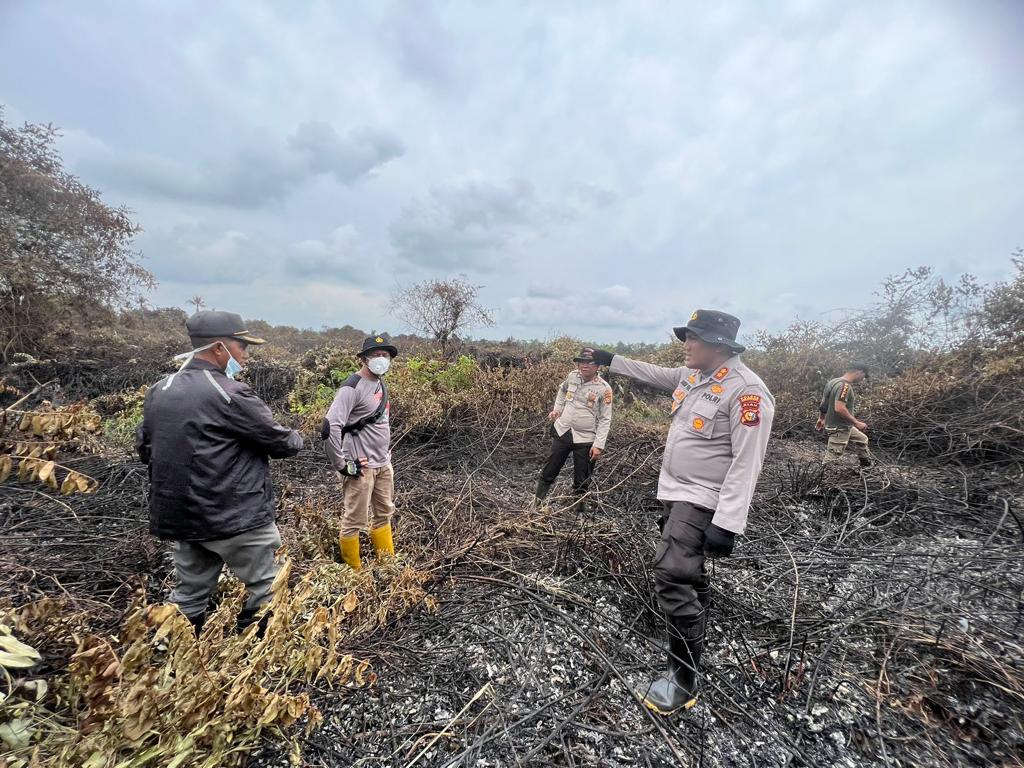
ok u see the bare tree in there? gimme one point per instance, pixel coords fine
(441, 309)
(197, 301)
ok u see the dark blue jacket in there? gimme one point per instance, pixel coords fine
(207, 440)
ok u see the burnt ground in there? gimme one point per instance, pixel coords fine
(867, 617)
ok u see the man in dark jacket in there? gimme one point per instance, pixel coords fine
(207, 439)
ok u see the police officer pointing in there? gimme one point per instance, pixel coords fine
(721, 417)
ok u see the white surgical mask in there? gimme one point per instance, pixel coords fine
(379, 365)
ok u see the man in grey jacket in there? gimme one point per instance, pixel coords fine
(207, 439)
(721, 417)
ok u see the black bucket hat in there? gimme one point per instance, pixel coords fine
(713, 328)
(382, 341)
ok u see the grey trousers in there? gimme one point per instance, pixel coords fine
(249, 556)
(680, 578)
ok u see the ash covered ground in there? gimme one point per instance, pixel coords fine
(867, 617)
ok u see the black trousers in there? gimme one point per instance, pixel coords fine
(582, 465)
(680, 579)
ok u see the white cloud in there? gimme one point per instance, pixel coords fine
(337, 256)
(471, 222)
(246, 175)
(612, 308)
(190, 253)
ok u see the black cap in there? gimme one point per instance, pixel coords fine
(858, 365)
(712, 327)
(586, 355)
(214, 324)
(381, 341)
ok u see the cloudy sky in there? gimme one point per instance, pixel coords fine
(601, 168)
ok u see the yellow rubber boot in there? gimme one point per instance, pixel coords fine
(383, 544)
(349, 546)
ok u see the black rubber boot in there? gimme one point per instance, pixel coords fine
(197, 622)
(541, 493)
(677, 688)
(247, 616)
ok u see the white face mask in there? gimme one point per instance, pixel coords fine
(379, 365)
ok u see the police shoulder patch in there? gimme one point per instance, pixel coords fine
(750, 410)
(608, 396)
(721, 373)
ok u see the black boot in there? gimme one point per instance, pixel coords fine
(247, 616)
(540, 494)
(197, 622)
(677, 688)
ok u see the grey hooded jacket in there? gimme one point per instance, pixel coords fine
(207, 440)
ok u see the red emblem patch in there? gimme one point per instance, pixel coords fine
(607, 397)
(721, 373)
(750, 410)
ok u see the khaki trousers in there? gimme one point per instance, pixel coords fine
(369, 500)
(838, 439)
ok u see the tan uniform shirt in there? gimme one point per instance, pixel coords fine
(585, 408)
(717, 438)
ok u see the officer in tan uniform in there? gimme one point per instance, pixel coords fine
(721, 417)
(580, 419)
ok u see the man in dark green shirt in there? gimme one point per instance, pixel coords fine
(836, 415)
